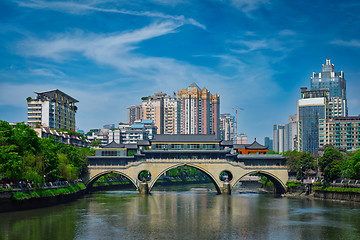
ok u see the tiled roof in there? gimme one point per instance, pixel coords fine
(114, 145)
(255, 146)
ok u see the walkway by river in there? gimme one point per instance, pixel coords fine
(185, 212)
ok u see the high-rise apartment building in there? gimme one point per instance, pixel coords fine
(199, 111)
(164, 111)
(227, 127)
(134, 113)
(54, 109)
(335, 83)
(171, 115)
(313, 111)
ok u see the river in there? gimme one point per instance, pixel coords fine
(185, 212)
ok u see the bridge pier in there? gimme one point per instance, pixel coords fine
(144, 188)
(226, 188)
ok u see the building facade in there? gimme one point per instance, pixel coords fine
(171, 115)
(241, 139)
(54, 109)
(341, 132)
(313, 111)
(132, 133)
(199, 111)
(134, 113)
(153, 109)
(335, 83)
(227, 127)
(164, 111)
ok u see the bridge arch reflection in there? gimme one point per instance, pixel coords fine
(279, 186)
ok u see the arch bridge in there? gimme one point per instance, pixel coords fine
(211, 167)
(203, 152)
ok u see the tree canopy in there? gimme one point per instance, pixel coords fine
(23, 155)
(331, 164)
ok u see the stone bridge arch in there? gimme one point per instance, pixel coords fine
(91, 181)
(207, 173)
(279, 185)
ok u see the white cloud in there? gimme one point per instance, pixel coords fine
(238, 82)
(350, 43)
(45, 72)
(287, 33)
(86, 7)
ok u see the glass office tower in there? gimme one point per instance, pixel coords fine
(312, 111)
(335, 83)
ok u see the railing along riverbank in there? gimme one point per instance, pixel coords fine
(15, 200)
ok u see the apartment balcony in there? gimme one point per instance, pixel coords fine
(34, 121)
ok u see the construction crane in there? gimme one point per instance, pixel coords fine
(236, 119)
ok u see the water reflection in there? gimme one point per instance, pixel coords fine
(187, 213)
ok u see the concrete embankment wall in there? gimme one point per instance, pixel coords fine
(7, 204)
(330, 195)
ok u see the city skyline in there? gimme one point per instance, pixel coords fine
(109, 54)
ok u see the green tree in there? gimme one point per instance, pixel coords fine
(23, 155)
(331, 164)
(305, 163)
(354, 165)
(292, 160)
(95, 143)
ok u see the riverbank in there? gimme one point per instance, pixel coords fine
(325, 193)
(18, 201)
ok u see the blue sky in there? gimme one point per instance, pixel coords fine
(108, 54)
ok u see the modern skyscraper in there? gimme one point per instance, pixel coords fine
(292, 132)
(227, 127)
(285, 135)
(278, 138)
(54, 109)
(313, 111)
(335, 83)
(268, 143)
(199, 111)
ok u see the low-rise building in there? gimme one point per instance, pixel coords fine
(253, 148)
(63, 137)
(131, 133)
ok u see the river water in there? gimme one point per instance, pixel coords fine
(185, 212)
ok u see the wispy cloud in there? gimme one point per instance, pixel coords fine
(350, 43)
(84, 8)
(46, 72)
(248, 6)
(104, 48)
